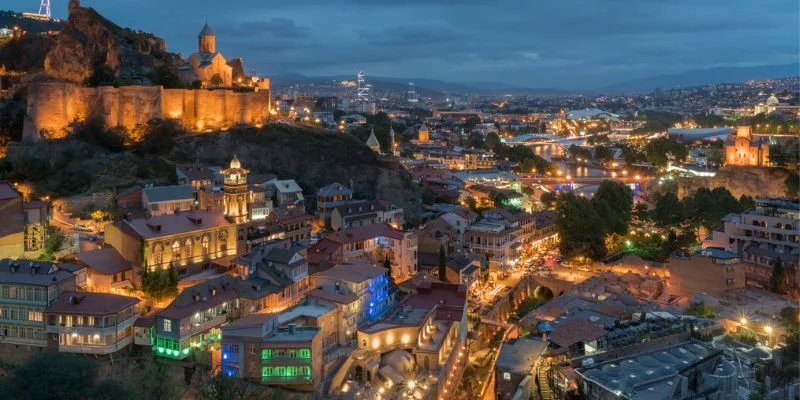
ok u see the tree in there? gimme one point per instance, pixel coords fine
(108, 389)
(657, 151)
(614, 201)
(715, 156)
(492, 141)
(167, 76)
(156, 137)
(579, 227)
(669, 210)
(700, 310)
(53, 244)
(47, 376)
(746, 202)
(94, 131)
(547, 199)
(387, 263)
(498, 198)
(603, 153)
(777, 282)
(442, 265)
(792, 183)
(216, 80)
(221, 387)
(475, 140)
(154, 381)
(102, 75)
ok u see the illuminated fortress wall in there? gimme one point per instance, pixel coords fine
(54, 106)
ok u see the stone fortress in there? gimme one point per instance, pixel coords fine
(54, 105)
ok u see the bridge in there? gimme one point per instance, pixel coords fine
(532, 179)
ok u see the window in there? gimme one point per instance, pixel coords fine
(37, 316)
(167, 325)
(304, 353)
(204, 245)
(176, 250)
(233, 348)
(252, 349)
(266, 354)
(266, 371)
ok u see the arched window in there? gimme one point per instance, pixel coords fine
(204, 244)
(187, 248)
(158, 254)
(176, 250)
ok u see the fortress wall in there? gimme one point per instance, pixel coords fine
(53, 106)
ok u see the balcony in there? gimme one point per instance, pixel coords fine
(287, 380)
(96, 349)
(205, 326)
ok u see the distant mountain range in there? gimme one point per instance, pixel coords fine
(705, 77)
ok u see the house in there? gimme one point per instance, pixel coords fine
(91, 323)
(194, 318)
(27, 289)
(329, 197)
(370, 285)
(287, 193)
(256, 347)
(711, 271)
(106, 271)
(371, 242)
(129, 199)
(516, 366)
(161, 200)
(365, 212)
(199, 176)
(274, 276)
(23, 224)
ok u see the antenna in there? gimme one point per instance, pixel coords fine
(363, 90)
(44, 5)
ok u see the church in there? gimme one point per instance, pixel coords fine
(208, 65)
(743, 149)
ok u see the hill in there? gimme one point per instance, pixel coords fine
(706, 77)
(30, 25)
(82, 164)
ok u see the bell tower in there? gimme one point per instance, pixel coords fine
(234, 188)
(207, 41)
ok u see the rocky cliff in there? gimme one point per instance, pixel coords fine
(751, 181)
(90, 41)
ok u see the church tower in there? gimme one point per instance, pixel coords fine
(234, 188)
(423, 134)
(207, 41)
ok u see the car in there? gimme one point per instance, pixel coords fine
(83, 228)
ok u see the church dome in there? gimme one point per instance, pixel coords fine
(235, 164)
(206, 31)
(772, 101)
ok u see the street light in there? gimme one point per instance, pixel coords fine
(743, 321)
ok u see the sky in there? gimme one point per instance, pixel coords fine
(568, 44)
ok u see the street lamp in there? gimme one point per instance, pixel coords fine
(743, 321)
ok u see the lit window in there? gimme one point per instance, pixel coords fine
(167, 325)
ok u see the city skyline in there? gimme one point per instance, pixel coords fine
(582, 46)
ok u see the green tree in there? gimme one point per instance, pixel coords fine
(603, 153)
(700, 309)
(715, 156)
(669, 210)
(499, 198)
(492, 142)
(387, 263)
(658, 151)
(614, 202)
(580, 228)
(154, 382)
(102, 75)
(167, 76)
(547, 199)
(49, 376)
(792, 183)
(746, 202)
(108, 389)
(475, 140)
(221, 387)
(216, 80)
(442, 265)
(53, 244)
(94, 131)
(777, 281)
(579, 152)
(157, 137)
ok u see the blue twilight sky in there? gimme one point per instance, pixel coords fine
(536, 43)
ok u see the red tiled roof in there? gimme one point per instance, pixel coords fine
(575, 330)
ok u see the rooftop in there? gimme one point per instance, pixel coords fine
(359, 272)
(91, 303)
(519, 355)
(106, 261)
(173, 224)
(30, 272)
(158, 194)
(296, 334)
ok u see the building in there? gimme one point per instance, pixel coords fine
(292, 224)
(372, 243)
(711, 271)
(258, 348)
(419, 346)
(369, 284)
(274, 277)
(358, 213)
(207, 65)
(744, 149)
(495, 242)
(91, 323)
(23, 224)
(194, 318)
(200, 177)
(162, 200)
(27, 289)
(515, 367)
(683, 371)
(423, 134)
(235, 192)
(189, 242)
(329, 197)
(288, 193)
(106, 271)
(761, 236)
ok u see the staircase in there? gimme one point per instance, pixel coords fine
(544, 384)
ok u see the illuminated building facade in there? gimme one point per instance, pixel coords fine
(745, 150)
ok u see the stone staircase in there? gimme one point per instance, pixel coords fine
(545, 392)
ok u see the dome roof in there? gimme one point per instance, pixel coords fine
(235, 163)
(772, 100)
(206, 31)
